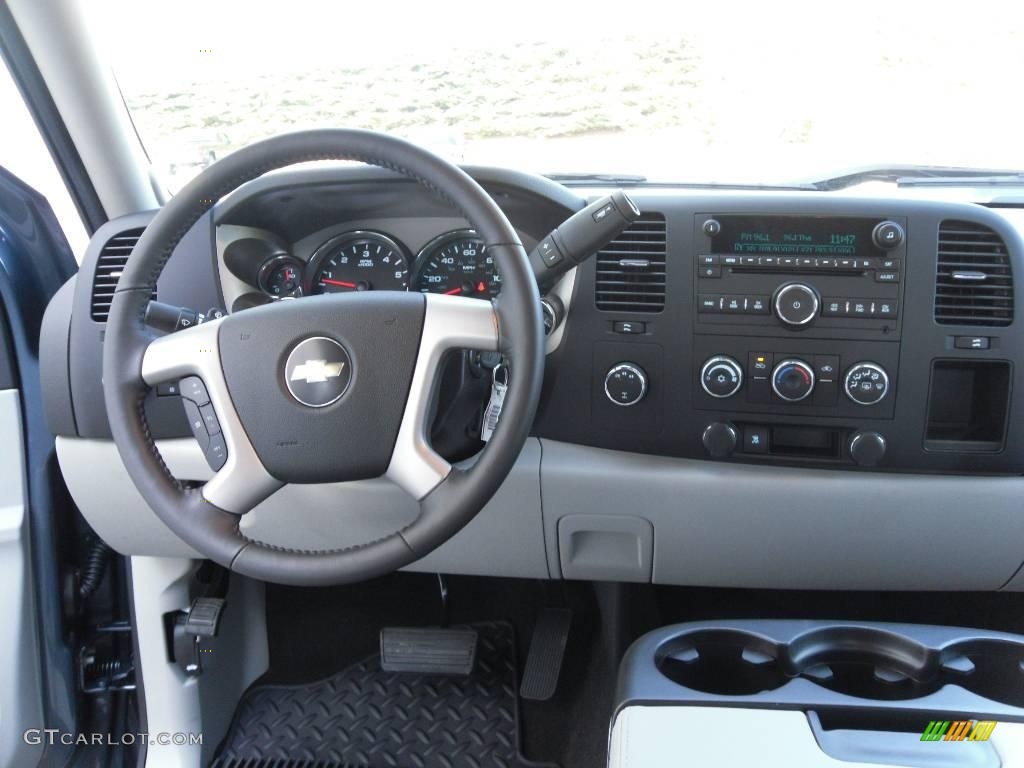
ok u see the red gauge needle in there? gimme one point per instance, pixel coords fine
(453, 292)
(337, 282)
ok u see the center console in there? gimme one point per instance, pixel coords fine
(797, 316)
(820, 693)
(811, 331)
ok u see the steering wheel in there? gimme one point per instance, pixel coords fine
(326, 389)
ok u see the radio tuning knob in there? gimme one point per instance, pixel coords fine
(796, 304)
(887, 235)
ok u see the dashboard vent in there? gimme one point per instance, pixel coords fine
(109, 267)
(631, 268)
(973, 282)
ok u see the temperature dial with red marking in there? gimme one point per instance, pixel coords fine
(793, 380)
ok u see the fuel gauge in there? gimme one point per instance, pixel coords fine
(281, 277)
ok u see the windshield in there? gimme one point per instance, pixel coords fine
(727, 92)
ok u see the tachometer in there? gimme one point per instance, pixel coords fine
(359, 261)
(457, 264)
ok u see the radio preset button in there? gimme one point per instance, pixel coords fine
(793, 380)
(796, 304)
(721, 376)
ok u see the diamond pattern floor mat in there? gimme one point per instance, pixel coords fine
(363, 717)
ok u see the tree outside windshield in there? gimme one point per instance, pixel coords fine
(729, 92)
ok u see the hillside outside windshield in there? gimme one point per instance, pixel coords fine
(728, 92)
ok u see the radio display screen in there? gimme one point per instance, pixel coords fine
(795, 236)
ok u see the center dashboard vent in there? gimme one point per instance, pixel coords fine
(631, 268)
(109, 266)
(973, 281)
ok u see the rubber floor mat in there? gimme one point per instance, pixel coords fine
(363, 717)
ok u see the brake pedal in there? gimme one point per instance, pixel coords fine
(428, 651)
(547, 651)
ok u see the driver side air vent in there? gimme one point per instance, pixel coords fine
(631, 268)
(973, 281)
(109, 267)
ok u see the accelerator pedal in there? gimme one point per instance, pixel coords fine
(428, 651)
(547, 650)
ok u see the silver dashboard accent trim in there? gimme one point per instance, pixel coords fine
(449, 322)
(243, 481)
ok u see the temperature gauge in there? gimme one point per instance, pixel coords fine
(281, 277)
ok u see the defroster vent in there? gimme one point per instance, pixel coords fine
(973, 282)
(631, 268)
(109, 267)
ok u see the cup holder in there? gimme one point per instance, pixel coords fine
(724, 662)
(860, 661)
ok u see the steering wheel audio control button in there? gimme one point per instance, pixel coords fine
(195, 423)
(209, 419)
(192, 388)
(216, 452)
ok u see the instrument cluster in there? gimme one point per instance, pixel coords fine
(455, 263)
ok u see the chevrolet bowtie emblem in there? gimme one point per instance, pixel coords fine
(317, 371)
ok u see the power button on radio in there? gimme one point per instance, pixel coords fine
(796, 304)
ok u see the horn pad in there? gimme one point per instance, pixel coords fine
(320, 383)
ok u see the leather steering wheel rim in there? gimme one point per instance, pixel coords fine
(453, 496)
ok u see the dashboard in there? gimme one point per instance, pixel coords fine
(772, 382)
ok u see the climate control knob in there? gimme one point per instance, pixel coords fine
(793, 380)
(721, 376)
(796, 304)
(866, 383)
(625, 384)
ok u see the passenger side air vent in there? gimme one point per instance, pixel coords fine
(109, 267)
(631, 268)
(973, 282)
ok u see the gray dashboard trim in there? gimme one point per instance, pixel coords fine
(713, 524)
(730, 525)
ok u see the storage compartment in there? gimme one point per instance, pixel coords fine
(967, 406)
(874, 669)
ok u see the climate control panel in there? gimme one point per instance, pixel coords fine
(818, 378)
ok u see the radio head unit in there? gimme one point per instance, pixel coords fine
(821, 275)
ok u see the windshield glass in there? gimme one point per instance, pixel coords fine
(727, 92)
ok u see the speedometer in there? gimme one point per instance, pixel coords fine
(359, 261)
(457, 264)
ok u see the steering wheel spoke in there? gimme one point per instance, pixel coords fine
(450, 322)
(242, 481)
